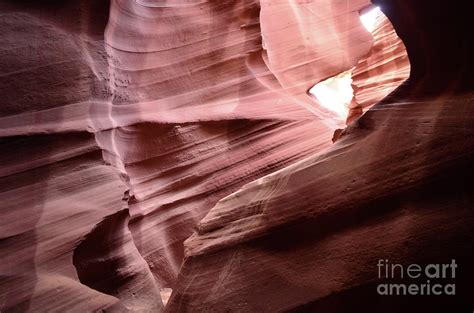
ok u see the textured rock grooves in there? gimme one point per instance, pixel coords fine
(53, 180)
(233, 112)
(129, 126)
(395, 186)
(108, 261)
(184, 103)
(381, 71)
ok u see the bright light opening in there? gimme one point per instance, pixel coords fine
(369, 18)
(336, 93)
(165, 294)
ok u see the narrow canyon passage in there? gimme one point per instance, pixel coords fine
(385, 67)
(233, 156)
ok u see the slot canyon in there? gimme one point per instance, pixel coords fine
(236, 156)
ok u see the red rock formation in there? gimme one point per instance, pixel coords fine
(381, 71)
(175, 97)
(213, 70)
(124, 123)
(53, 182)
(395, 186)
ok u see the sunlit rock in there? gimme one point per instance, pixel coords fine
(152, 147)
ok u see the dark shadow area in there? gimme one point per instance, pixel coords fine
(438, 37)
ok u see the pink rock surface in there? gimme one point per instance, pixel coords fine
(394, 186)
(381, 71)
(123, 124)
(208, 72)
(162, 109)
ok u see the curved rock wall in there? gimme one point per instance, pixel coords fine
(395, 186)
(212, 73)
(54, 182)
(123, 123)
(381, 71)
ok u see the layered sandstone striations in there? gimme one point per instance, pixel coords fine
(53, 180)
(381, 71)
(396, 185)
(235, 108)
(123, 123)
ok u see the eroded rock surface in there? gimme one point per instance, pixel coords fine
(123, 124)
(381, 71)
(154, 108)
(395, 186)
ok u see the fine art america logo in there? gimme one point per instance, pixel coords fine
(423, 280)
